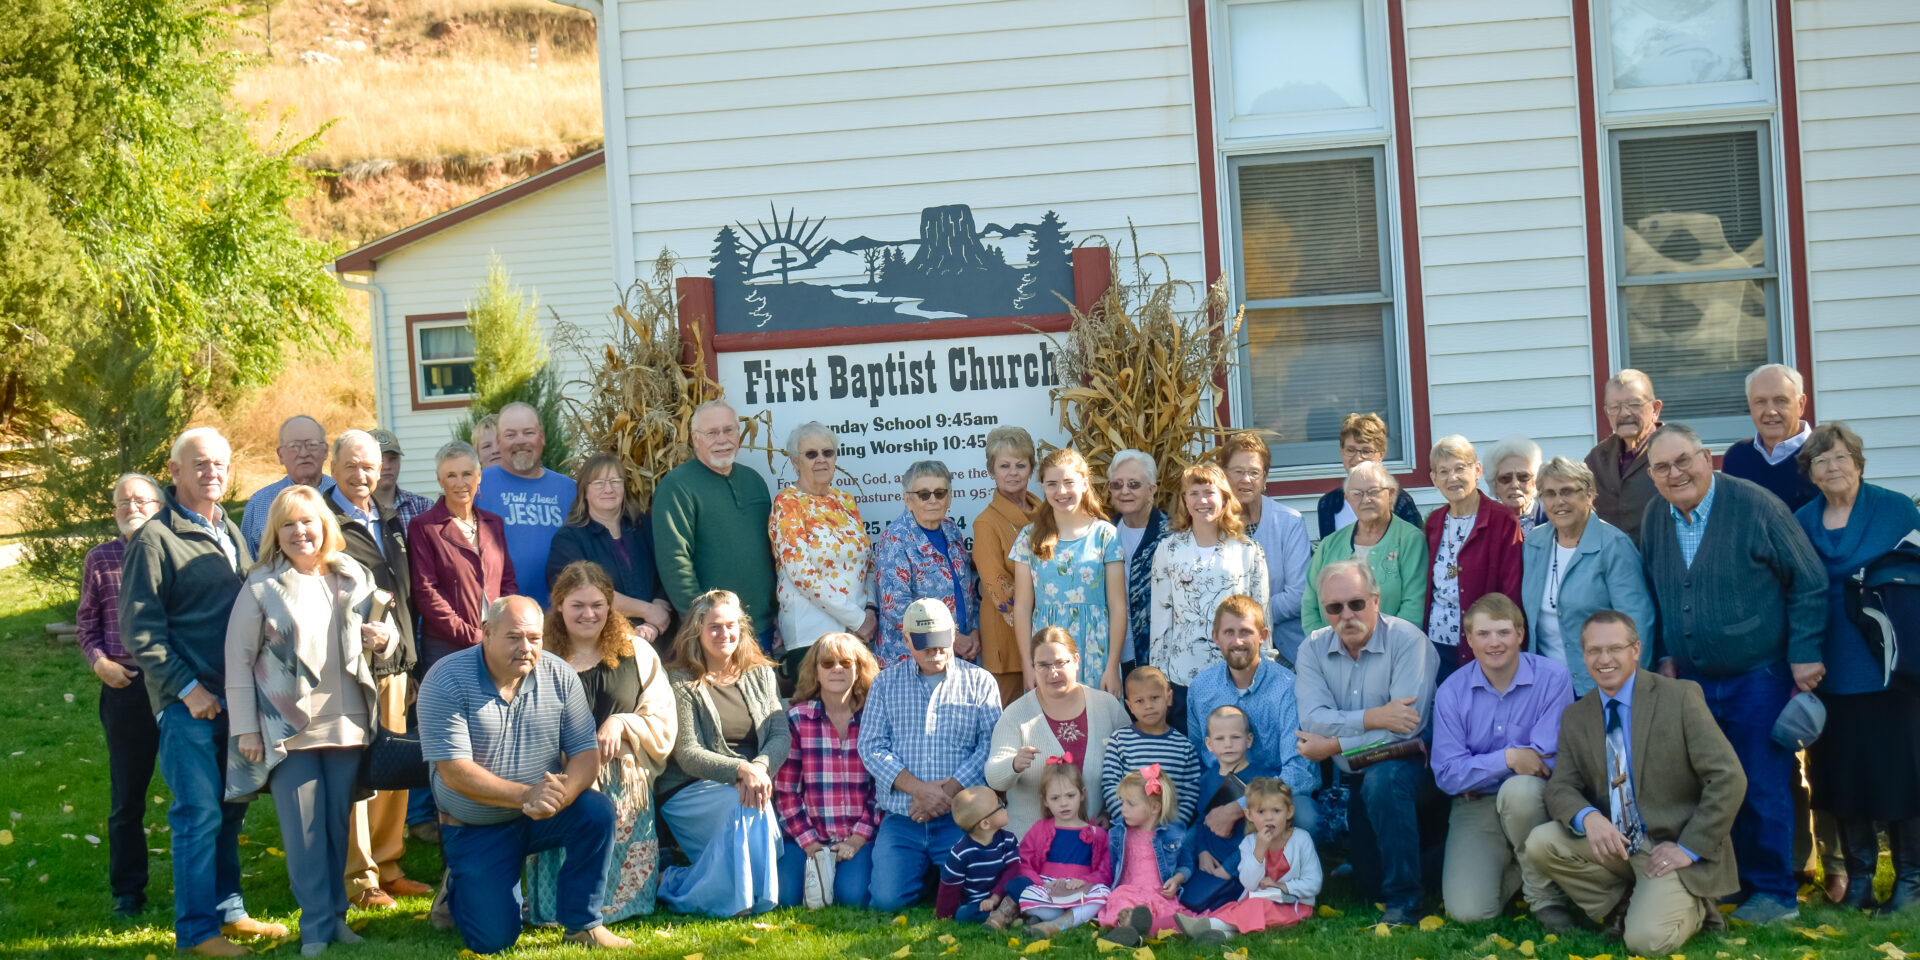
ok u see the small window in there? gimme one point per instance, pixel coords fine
(1695, 267)
(444, 351)
(1313, 271)
(1678, 55)
(1298, 68)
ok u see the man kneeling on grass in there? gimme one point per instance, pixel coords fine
(512, 743)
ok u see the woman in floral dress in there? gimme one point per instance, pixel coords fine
(634, 711)
(821, 554)
(1068, 572)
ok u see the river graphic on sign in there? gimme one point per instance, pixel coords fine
(787, 274)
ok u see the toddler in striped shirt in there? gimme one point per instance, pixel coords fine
(980, 880)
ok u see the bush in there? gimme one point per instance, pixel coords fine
(510, 363)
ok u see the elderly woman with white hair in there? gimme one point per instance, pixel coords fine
(1393, 549)
(923, 554)
(1133, 479)
(1475, 546)
(1516, 465)
(821, 554)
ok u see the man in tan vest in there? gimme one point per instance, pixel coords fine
(1641, 800)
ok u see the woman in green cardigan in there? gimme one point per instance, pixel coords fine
(1394, 548)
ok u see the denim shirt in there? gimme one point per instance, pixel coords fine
(1167, 841)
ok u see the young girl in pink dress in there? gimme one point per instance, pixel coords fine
(1143, 847)
(1279, 870)
(1065, 856)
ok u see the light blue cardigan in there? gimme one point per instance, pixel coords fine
(1605, 575)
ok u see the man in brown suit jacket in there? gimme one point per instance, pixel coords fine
(1622, 487)
(1653, 879)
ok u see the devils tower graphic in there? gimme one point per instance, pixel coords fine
(785, 274)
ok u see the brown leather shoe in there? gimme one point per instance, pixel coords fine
(249, 927)
(598, 937)
(216, 946)
(406, 887)
(372, 898)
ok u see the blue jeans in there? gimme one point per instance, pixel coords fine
(903, 851)
(1384, 834)
(483, 864)
(206, 831)
(1746, 707)
(852, 878)
(420, 808)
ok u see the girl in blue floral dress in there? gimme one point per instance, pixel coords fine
(1069, 572)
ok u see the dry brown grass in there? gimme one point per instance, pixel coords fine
(1140, 374)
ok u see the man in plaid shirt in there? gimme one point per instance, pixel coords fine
(133, 738)
(925, 733)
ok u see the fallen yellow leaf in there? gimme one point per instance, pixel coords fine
(663, 933)
(1013, 942)
(950, 950)
(1038, 946)
(1430, 923)
(1240, 954)
(275, 851)
(1830, 930)
(749, 941)
(1808, 933)
(243, 840)
(900, 921)
(1328, 913)
(1143, 953)
(1555, 938)
(1737, 941)
(1382, 930)
(803, 926)
(1504, 943)
(1602, 956)
(1526, 948)
(1676, 956)
(906, 951)
(694, 956)
(1892, 952)
(1107, 946)
(6, 838)
(946, 938)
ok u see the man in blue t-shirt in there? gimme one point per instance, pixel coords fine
(532, 500)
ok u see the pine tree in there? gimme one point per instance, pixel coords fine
(729, 263)
(1052, 259)
(510, 362)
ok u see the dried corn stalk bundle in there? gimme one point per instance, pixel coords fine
(638, 396)
(1137, 373)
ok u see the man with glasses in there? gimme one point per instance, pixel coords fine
(1640, 802)
(1365, 684)
(531, 500)
(303, 452)
(1742, 613)
(1622, 487)
(710, 522)
(126, 711)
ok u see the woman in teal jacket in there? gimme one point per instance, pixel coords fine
(1394, 548)
(1575, 565)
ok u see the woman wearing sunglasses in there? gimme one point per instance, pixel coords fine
(923, 554)
(821, 554)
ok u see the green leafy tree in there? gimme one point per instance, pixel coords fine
(148, 260)
(510, 362)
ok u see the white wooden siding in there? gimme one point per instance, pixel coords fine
(865, 112)
(1858, 66)
(1496, 158)
(555, 244)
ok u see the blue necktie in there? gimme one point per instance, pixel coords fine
(1626, 815)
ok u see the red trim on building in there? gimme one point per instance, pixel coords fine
(695, 296)
(1590, 145)
(413, 363)
(1802, 318)
(1416, 328)
(362, 259)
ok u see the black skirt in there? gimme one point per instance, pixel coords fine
(1867, 761)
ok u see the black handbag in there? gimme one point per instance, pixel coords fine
(393, 760)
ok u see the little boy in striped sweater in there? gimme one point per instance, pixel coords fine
(1149, 741)
(981, 881)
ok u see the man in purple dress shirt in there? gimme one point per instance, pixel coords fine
(1496, 724)
(126, 712)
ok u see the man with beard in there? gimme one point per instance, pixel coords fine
(510, 739)
(710, 523)
(126, 712)
(1263, 690)
(531, 500)
(302, 451)
(1621, 483)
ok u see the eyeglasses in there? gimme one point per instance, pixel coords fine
(1127, 485)
(1364, 453)
(134, 503)
(1625, 406)
(304, 446)
(936, 494)
(836, 664)
(1370, 493)
(1506, 478)
(1610, 650)
(1247, 474)
(1837, 458)
(1048, 666)
(720, 433)
(1355, 605)
(606, 483)
(826, 454)
(1561, 493)
(1678, 464)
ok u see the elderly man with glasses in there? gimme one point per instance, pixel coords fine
(1742, 613)
(1622, 487)
(710, 523)
(303, 452)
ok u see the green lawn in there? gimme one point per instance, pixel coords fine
(54, 902)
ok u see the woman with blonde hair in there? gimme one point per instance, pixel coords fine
(1068, 572)
(716, 793)
(823, 794)
(300, 694)
(1207, 558)
(636, 716)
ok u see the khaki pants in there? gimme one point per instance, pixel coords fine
(1486, 837)
(377, 835)
(1661, 912)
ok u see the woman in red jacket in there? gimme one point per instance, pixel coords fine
(459, 561)
(1475, 544)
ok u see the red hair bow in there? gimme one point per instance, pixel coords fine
(1060, 759)
(1151, 774)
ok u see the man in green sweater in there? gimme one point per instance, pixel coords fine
(710, 522)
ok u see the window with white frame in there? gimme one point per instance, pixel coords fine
(443, 355)
(1302, 89)
(1694, 257)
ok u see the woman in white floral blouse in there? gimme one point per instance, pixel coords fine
(1207, 558)
(821, 555)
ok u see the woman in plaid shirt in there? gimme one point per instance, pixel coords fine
(823, 794)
